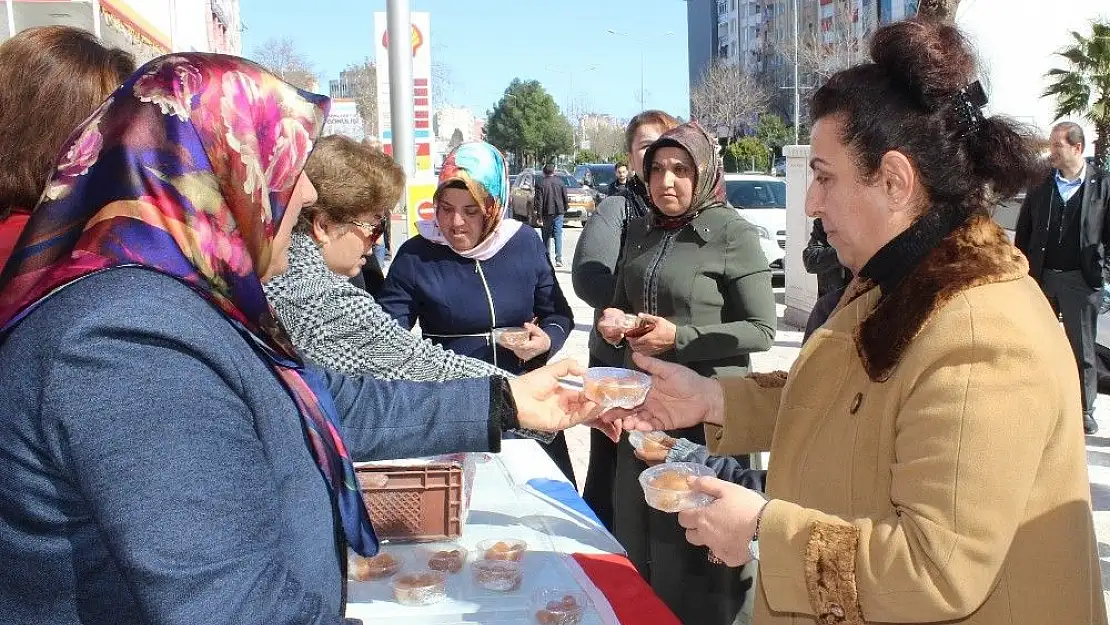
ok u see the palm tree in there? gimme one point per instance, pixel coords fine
(1084, 88)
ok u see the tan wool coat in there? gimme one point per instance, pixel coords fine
(927, 455)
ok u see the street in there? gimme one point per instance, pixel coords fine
(788, 341)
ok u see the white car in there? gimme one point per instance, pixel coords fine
(761, 200)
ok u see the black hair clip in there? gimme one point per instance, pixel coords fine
(969, 103)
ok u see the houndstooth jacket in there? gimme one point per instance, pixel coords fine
(339, 326)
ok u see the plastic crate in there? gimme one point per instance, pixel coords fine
(414, 503)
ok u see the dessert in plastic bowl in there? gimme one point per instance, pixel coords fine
(650, 441)
(613, 387)
(419, 588)
(553, 606)
(502, 549)
(510, 337)
(666, 488)
(446, 558)
(498, 575)
(376, 567)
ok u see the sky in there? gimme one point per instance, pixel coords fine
(483, 44)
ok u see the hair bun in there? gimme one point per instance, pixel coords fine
(931, 58)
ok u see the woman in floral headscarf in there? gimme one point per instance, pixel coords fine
(166, 455)
(694, 272)
(472, 271)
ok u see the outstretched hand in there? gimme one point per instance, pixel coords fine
(678, 398)
(543, 403)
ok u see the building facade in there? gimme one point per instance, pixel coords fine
(145, 28)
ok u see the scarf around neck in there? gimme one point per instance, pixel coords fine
(187, 170)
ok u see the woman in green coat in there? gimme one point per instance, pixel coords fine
(693, 270)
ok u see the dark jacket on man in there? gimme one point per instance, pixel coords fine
(1089, 225)
(820, 258)
(551, 196)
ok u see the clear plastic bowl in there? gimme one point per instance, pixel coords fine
(502, 549)
(510, 337)
(650, 440)
(419, 588)
(665, 486)
(498, 575)
(613, 387)
(555, 606)
(381, 566)
(444, 557)
(629, 321)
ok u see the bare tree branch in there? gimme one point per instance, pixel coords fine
(363, 79)
(943, 10)
(726, 95)
(281, 57)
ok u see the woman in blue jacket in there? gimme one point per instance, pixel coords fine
(472, 271)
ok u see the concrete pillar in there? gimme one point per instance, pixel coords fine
(801, 287)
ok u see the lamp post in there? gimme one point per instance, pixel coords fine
(641, 43)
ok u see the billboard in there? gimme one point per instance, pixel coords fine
(419, 42)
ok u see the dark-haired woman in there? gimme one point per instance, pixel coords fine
(53, 77)
(928, 462)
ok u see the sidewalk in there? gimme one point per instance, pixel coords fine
(788, 341)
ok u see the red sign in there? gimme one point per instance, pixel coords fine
(425, 210)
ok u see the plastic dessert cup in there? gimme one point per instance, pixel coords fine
(648, 441)
(629, 322)
(666, 489)
(613, 387)
(502, 549)
(498, 575)
(445, 558)
(419, 588)
(510, 337)
(381, 566)
(554, 606)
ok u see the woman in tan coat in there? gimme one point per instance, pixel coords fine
(927, 453)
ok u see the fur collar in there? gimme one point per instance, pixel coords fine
(974, 254)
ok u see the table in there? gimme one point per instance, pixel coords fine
(521, 494)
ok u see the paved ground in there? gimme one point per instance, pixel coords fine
(787, 343)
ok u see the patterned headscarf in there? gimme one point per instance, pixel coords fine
(709, 185)
(481, 168)
(187, 169)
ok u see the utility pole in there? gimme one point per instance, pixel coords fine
(399, 25)
(11, 17)
(797, 93)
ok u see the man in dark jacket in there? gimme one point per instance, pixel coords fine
(620, 183)
(820, 258)
(551, 202)
(1063, 230)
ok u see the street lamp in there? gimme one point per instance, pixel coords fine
(642, 43)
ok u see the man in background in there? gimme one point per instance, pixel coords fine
(621, 183)
(551, 202)
(1062, 231)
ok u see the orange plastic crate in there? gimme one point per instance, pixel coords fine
(416, 503)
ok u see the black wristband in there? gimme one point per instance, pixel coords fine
(502, 410)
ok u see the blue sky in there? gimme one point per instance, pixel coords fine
(483, 49)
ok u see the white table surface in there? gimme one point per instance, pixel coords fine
(502, 506)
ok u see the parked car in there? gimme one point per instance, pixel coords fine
(523, 190)
(596, 176)
(761, 200)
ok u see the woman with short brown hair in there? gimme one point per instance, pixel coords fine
(53, 77)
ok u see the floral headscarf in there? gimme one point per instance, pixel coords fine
(709, 186)
(481, 168)
(187, 169)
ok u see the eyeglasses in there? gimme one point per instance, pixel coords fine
(373, 231)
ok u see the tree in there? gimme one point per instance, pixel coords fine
(604, 139)
(773, 132)
(588, 156)
(1083, 89)
(526, 123)
(746, 154)
(363, 79)
(281, 57)
(456, 139)
(726, 95)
